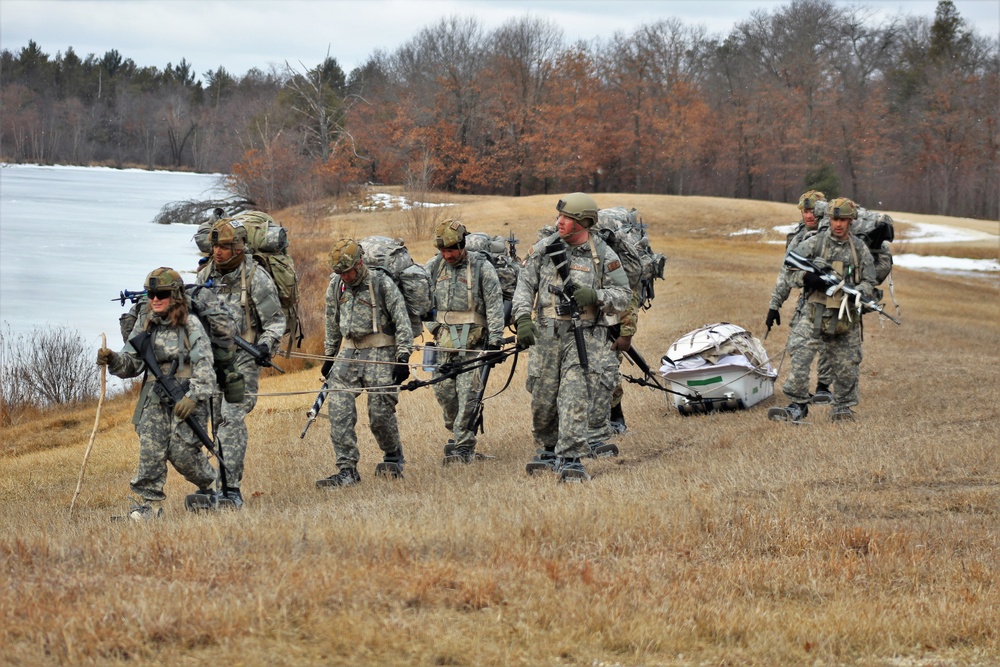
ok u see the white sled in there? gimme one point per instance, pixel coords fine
(718, 367)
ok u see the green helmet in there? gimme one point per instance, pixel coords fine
(164, 279)
(807, 201)
(450, 234)
(580, 207)
(229, 232)
(345, 255)
(842, 207)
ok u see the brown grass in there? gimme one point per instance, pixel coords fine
(721, 539)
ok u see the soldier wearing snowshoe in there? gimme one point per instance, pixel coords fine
(468, 317)
(368, 331)
(182, 347)
(812, 206)
(564, 371)
(252, 297)
(830, 324)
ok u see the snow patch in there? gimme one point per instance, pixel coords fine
(945, 264)
(382, 201)
(746, 232)
(923, 232)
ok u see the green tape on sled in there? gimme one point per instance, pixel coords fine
(706, 381)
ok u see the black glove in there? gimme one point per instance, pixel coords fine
(327, 365)
(263, 353)
(401, 370)
(773, 317)
(812, 281)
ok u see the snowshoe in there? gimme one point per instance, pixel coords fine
(795, 413)
(573, 471)
(346, 477)
(454, 454)
(823, 396)
(389, 470)
(544, 461)
(142, 510)
(603, 450)
(842, 415)
(202, 500)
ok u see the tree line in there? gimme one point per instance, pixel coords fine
(898, 113)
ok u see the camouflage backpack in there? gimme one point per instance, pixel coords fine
(623, 230)
(390, 255)
(268, 244)
(496, 250)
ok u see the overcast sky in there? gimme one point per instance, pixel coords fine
(241, 34)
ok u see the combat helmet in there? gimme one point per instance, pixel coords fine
(165, 279)
(345, 255)
(450, 234)
(229, 232)
(580, 207)
(808, 201)
(842, 207)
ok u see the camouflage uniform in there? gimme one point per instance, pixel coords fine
(257, 311)
(349, 332)
(454, 328)
(815, 330)
(628, 320)
(163, 437)
(562, 393)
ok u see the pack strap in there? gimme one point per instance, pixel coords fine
(371, 340)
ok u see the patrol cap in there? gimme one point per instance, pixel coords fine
(450, 234)
(842, 207)
(229, 232)
(345, 255)
(807, 201)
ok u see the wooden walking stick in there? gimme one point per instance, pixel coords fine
(93, 434)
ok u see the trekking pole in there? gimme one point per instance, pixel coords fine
(93, 433)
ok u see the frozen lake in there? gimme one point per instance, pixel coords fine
(71, 238)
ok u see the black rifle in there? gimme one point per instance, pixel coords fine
(259, 359)
(556, 250)
(130, 296)
(834, 281)
(476, 418)
(512, 242)
(170, 392)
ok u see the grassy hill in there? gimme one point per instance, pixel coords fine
(719, 539)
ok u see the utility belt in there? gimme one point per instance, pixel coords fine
(561, 327)
(448, 317)
(369, 341)
(825, 313)
(181, 373)
(564, 312)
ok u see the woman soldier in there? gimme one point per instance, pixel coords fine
(183, 350)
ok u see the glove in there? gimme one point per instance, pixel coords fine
(327, 366)
(184, 408)
(263, 353)
(105, 356)
(812, 281)
(401, 370)
(622, 344)
(526, 332)
(773, 317)
(585, 296)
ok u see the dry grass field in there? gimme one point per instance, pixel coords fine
(712, 540)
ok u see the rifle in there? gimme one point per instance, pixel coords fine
(259, 359)
(130, 296)
(556, 250)
(834, 281)
(634, 356)
(475, 423)
(171, 392)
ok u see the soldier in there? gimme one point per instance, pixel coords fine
(469, 315)
(368, 330)
(251, 296)
(812, 204)
(826, 326)
(180, 343)
(562, 375)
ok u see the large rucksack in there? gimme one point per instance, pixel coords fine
(267, 242)
(623, 230)
(503, 259)
(391, 256)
